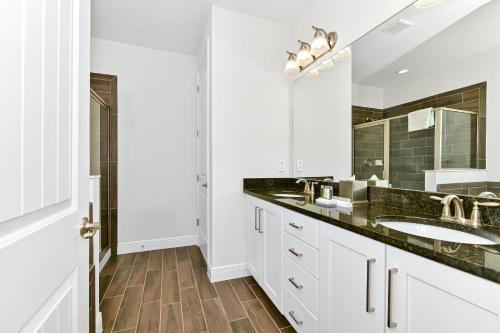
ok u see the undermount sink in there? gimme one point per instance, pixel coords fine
(289, 195)
(418, 227)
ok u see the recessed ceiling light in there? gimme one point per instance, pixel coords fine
(423, 4)
(403, 71)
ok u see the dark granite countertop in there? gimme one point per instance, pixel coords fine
(480, 260)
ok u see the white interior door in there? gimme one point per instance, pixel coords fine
(203, 154)
(44, 89)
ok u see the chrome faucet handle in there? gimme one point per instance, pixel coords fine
(475, 218)
(433, 197)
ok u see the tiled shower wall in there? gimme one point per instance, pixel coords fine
(410, 154)
(369, 147)
(473, 188)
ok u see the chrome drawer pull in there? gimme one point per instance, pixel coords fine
(260, 220)
(256, 218)
(292, 281)
(300, 227)
(295, 253)
(369, 308)
(390, 322)
(298, 321)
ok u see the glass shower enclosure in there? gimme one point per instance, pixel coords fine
(387, 149)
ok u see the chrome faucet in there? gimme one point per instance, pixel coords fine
(459, 215)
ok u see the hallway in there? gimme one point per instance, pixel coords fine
(169, 291)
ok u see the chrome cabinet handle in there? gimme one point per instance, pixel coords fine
(299, 227)
(295, 253)
(204, 185)
(255, 218)
(390, 322)
(298, 321)
(260, 220)
(369, 308)
(292, 281)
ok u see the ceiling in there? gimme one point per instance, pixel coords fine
(176, 25)
(438, 36)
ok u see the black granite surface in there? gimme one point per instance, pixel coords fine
(480, 260)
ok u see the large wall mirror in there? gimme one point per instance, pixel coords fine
(425, 100)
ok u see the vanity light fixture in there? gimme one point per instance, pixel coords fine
(403, 71)
(323, 41)
(326, 65)
(291, 66)
(304, 57)
(308, 53)
(424, 4)
(312, 73)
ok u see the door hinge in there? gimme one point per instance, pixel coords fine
(197, 178)
(197, 132)
(197, 221)
(198, 89)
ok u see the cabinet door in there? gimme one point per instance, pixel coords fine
(351, 282)
(272, 245)
(253, 240)
(430, 297)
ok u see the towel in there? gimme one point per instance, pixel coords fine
(421, 119)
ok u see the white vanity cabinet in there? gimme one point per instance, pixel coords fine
(367, 286)
(433, 298)
(327, 279)
(264, 244)
(351, 282)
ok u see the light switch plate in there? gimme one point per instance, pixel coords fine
(281, 166)
(300, 166)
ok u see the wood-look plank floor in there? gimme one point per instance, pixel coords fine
(168, 291)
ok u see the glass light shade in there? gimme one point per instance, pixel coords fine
(423, 4)
(304, 57)
(326, 65)
(343, 54)
(312, 73)
(319, 45)
(291, 67)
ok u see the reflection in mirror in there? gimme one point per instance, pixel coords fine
(320, 116)
(423, 84)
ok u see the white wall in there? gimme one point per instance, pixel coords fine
(484, 67)
(156, 139)
(367, 96)
(250, 114)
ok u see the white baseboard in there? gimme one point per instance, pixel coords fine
(157, 244)
(227, 272)
(104, 260)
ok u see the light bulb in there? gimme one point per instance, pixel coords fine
(326, 65)
(304, 57)
(291, 66)
(312, 73)
(320, 44)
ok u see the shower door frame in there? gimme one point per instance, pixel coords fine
(387, 142)
(438, 136)
(103, 251)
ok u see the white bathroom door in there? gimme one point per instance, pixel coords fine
(44, 90)
(203, 136)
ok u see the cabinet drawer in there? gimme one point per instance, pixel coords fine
(301, 284)
(302, 254)
(302, 227)
(300, 318)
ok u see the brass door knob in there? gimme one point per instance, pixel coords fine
(88, 229)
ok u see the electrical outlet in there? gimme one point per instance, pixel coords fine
(300, 166)
(281, 166)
